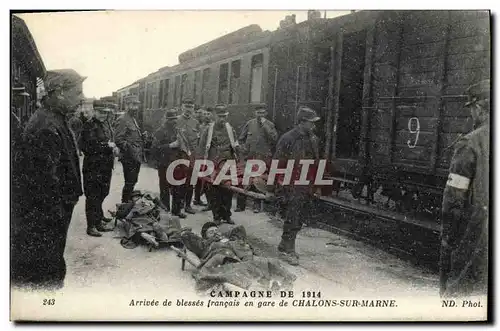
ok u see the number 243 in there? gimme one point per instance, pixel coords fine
(49, 302)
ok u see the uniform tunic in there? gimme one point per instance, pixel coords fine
(464, 262)
(189, 128)
(258, 139)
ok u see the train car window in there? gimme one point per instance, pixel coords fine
(204, 83)
(176, 90)
(234, 83)
(256, 78)
(184, 86)
(223, 83)
(166, 86)
(197, 76)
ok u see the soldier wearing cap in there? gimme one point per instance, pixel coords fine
(97, 144)
(203, 118)
(218, 143)
(258, 138)
(465, 210)
(165, 150)
(129, 139)
(51, 185)
(298, 143)
(189, 127)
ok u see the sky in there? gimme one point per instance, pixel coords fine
(115, 48)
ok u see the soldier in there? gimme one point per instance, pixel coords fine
(188, 126)
(218, 144)
(204, 119)
(165, 150)
(298, 143)
(130, 142)
(464, 228)
(97, 143)
(51, 185)
(258, 137)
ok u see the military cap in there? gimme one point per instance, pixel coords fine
(205, 228)
(131, 99)
(262, 108)
(62, 78)
(171, 114)
(307, 114)
(101, 106)
(477, 92)
(188, 102)
(221, 109)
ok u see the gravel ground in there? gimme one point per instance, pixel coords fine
(107, 274)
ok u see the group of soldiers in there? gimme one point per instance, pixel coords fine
(47, 180)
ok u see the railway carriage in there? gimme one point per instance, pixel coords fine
(229, 70)
(389, 87)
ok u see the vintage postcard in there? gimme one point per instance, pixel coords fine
(308, 165)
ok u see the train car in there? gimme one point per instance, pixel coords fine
(389, 86)
(27, 71)
(231, 70)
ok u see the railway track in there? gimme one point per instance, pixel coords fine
(410, 239)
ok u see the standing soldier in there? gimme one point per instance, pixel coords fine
(297, 144)
(188, 126)
(218, 143)
(165, 150)
(51, 185)
(97, 143)
(204, 119)
(258, 137)
(130, 142)
(464, 229)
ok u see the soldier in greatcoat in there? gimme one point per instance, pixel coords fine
(464, 226)
(298, 143)
(258, 138)
(129, 139)
(218, 144)
(166, 149)
(97, 144)
(188, 126)
(51, 186)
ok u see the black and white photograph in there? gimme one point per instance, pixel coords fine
(250, 165)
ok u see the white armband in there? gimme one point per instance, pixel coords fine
(458, 181)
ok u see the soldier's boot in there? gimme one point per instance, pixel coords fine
(189, 210)
(287, 245)
(93, 232)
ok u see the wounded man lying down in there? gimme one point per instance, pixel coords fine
(227, 257)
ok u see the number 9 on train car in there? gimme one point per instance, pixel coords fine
(415, 131)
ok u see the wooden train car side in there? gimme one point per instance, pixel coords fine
(389, 87)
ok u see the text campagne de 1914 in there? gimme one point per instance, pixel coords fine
(264, 299)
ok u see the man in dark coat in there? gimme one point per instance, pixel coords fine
(297, 144)
(51, 186)
(166, 149)
(258, 138)
(203, 121)
(189, 127)
(129, 139)
(464, 228)
(218, 144)
(97, 143)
